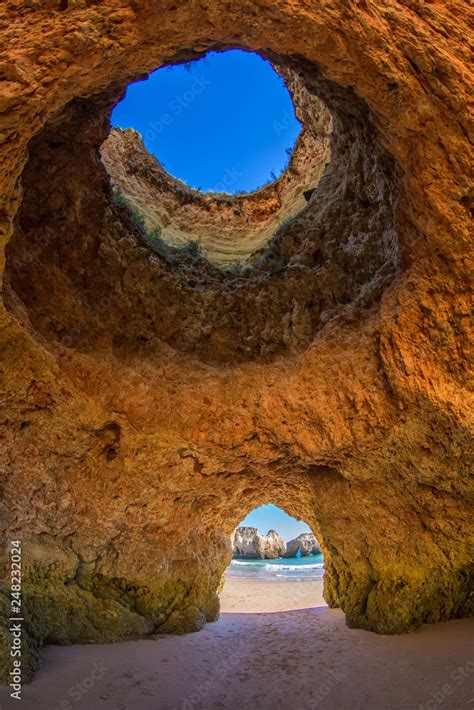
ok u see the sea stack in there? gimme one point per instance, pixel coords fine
(305, 544)
(251, 544)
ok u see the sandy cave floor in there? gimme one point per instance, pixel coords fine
(298, 658)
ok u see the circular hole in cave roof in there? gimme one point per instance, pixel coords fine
(223, 123)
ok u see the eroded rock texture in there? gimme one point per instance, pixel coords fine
(249, 542)
(229, 229)
(302, 546)
(150, 401)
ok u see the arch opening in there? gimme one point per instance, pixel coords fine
(230, 228)
(220, 291)
(223, 123)
(277, 564)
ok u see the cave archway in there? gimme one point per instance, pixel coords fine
(277, 565)
(307, 260)
(232, 228)
(150, 399)
(224, 123)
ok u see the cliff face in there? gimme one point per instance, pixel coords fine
(150, 400)
(248, 542)
(305, 544)
(230, 229)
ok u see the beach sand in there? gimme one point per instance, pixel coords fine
(264, 595)
(303, 658)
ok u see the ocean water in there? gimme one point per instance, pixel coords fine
(292, 568)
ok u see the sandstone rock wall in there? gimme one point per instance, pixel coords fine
(305, 544)
(230, 229)
(148, 404)
(249, 543)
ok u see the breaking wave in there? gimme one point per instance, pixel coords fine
(290, 568)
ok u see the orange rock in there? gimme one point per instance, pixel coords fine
(150, 402)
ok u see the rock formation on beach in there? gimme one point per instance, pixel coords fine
(305, 544)
(248, 542)
(150, 398)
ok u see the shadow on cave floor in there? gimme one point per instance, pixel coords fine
(298, 659)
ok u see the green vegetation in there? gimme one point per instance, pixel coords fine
(191, 249)
(120, 199)
(158, 244)
(273, 175)
(268, 258)
(236, 269)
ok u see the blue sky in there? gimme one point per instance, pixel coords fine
(268, 517)
(221, 123)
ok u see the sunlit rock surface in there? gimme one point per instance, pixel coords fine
(302, 546)
(229, 228)
(248, 542)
